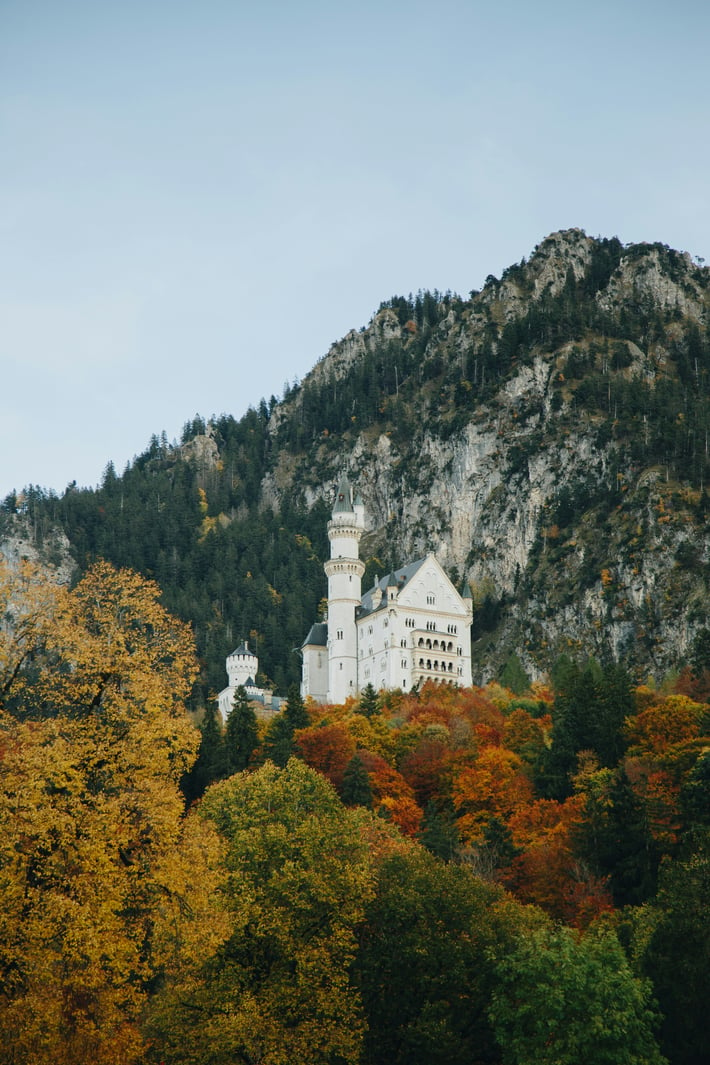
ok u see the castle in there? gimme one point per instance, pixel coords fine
(242, 668)
(410, 627)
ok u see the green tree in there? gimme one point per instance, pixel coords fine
(242, 732)
(369, 702)
(279, 990)
(424, 964)
(356, 789)
(675, 954)
(295, 711)
(590, 708)
(278, 741)
(211, 764)
(439, 833)
(562, 999)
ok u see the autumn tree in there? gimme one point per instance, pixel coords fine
(279, 989)
(104, 883)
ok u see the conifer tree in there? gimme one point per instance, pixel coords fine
(356, 789)
(211, 764)
(369, 704)
(242, 734)
(278, 742)
(295, 711)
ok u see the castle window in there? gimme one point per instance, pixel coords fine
(431, 600)
(339, 634)
(341, 665)
(402, 643)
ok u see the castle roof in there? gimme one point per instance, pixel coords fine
(318, 635)
(343, 496)
(397, 579)
(243, 649)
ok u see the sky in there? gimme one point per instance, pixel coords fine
(198, 198)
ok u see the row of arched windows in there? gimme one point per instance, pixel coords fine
(435, 646)
(436, 666)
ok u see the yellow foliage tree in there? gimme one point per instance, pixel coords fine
(103, 883)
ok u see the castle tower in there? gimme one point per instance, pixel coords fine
(344, 571)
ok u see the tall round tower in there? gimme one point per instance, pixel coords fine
(344, 571)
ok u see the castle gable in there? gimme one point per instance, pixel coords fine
(429, 587)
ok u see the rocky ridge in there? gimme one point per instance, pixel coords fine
(484, 497)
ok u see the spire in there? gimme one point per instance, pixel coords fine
(343, 497)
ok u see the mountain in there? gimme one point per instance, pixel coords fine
(546, 437)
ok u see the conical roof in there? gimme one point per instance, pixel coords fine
(343, 497)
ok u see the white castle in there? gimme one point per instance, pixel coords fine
(410, 627)
(242, 668)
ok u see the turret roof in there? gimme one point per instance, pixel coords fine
(317, 636)
(343, 497)
(243, 649)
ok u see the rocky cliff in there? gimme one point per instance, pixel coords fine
(528, 486)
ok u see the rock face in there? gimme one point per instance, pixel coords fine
(21, 540)
(546, 505)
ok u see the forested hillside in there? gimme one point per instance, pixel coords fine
(547, 437)
(459, 876)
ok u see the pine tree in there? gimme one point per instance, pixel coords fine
(295, 711)
(211, 764)
(356, 789)
(369, 704)
(242, 734)
(278, 743)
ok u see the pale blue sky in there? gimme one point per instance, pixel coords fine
(197, 198)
